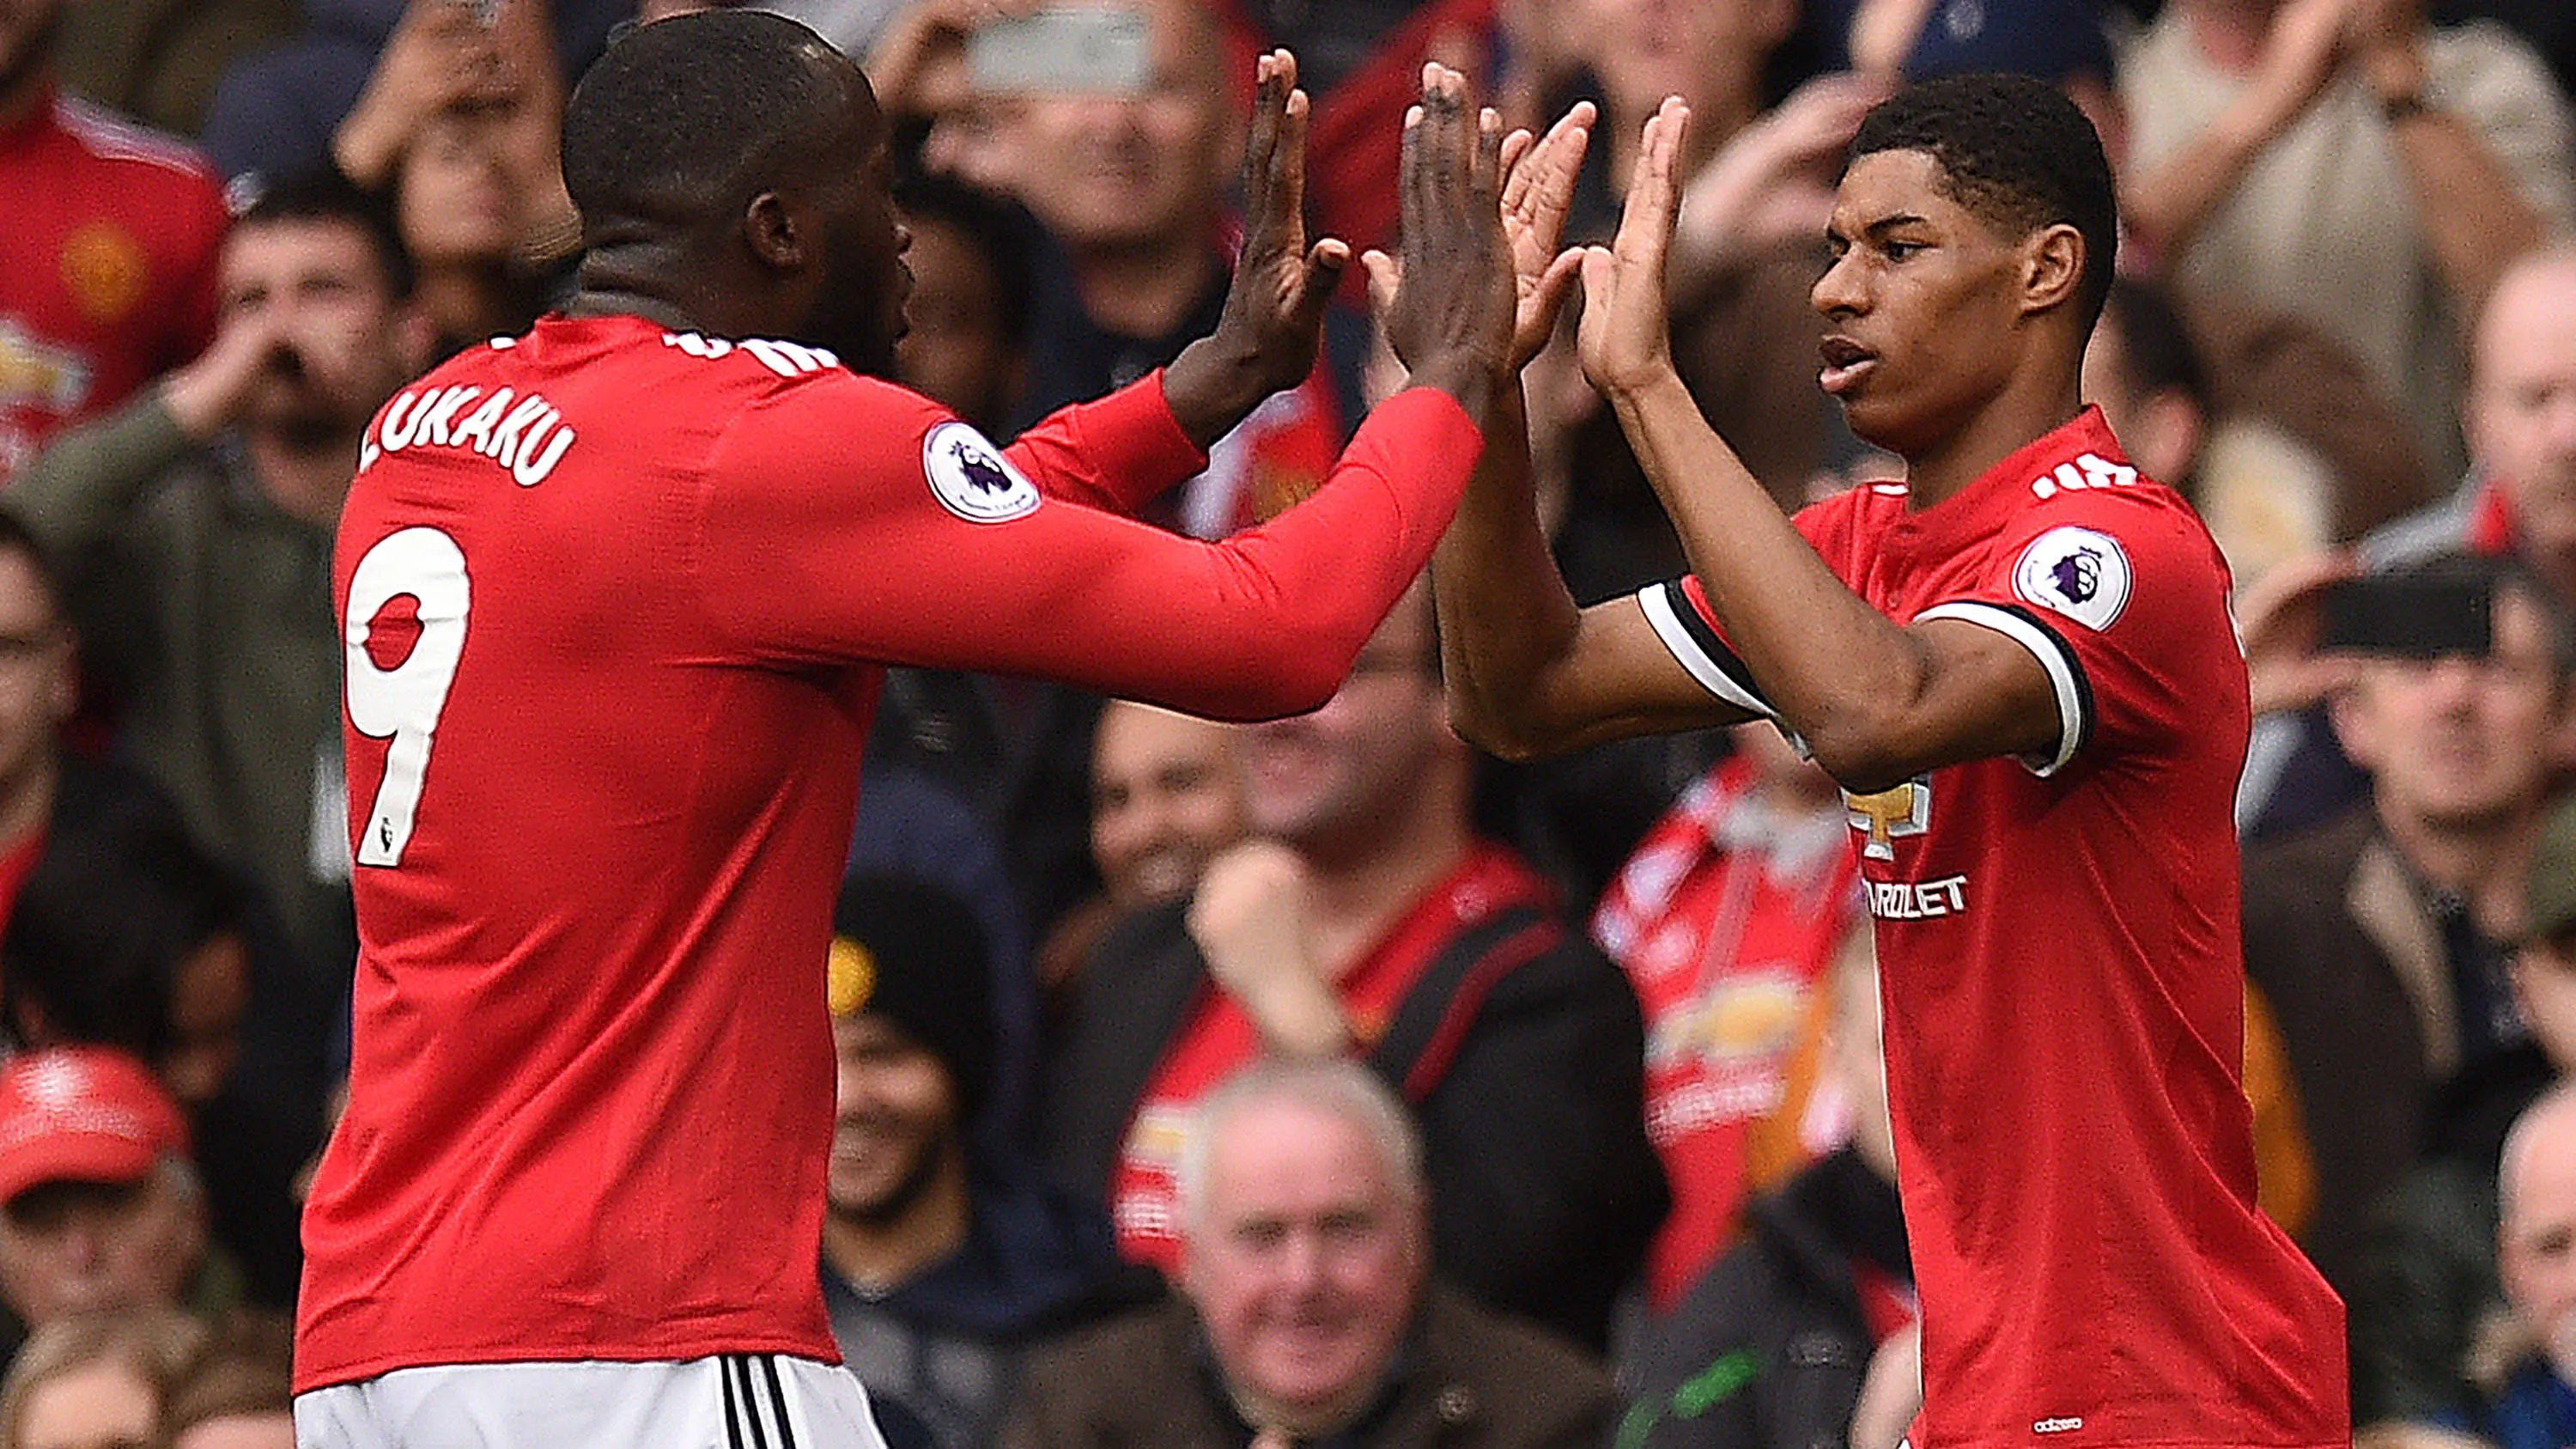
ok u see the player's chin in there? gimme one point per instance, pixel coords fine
(1883, 423)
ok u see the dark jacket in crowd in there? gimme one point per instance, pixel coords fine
(1466, 1379)
(1544, 1188)
(2424, 1282)
(1769, 1348)
(944, 1349)
(2359, 962)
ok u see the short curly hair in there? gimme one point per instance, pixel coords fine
(2015, 151)
(680, 117)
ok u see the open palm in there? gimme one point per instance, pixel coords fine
(1625, 338)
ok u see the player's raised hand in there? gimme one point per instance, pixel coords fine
(1538, 175)
(1281, 281)
(1625, 336)
(1455, 301)
(1538, 191)
(1273, 323)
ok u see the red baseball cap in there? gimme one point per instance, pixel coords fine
(82, 1114)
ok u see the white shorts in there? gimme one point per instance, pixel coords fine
(734, 1401)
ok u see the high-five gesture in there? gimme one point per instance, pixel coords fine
(1273, 322)
(1624, 337)
(1538, 189)
(1454, 306)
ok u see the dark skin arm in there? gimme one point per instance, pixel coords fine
(1528, 672)
(1273, 321)
(1876, 702)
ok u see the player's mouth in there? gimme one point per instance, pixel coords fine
(1846, 363)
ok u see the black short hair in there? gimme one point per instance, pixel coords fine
(2016, 151)
(327, 196)
(670, 122)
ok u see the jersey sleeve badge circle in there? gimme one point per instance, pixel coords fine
(2076, 572)
(972, 479)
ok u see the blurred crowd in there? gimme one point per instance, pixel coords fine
(1321, 1079)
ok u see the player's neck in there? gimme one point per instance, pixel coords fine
(2032, 406)
(879, 1255)
(1145, 290)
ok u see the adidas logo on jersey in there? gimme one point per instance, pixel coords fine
(2091, 470)
(787, 359)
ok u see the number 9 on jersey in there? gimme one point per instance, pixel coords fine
(396, 693)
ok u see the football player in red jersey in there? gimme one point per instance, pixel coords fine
(617, 595)
(2016, 660)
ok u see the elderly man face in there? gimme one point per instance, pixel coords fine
(2520, 412)
(2536, 1237)
(1304, 1253)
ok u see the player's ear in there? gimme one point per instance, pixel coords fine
(2052, 267)
(777, 231)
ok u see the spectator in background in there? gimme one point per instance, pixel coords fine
(99, 1205)
(97, 1379)
(107, 267)
(2142, 369)
(235, 1396)
(2281, 444)
(2519, 408)
(37, 688)
(194, 531)
(2518, 498)
(942, 1256)
(1366, 919)
(1132, 184)
(1748, 241)
(159, 60)
(2380, 937)
(1771, 1346)
(2268, 138)
(1309, 1313)
(1001, 759)
(1725, 921)
(2426, 1276)
(1166, 797)
(2529, 1374)
(364, 75)
(973, 274)
(467, 217)
(127, 935)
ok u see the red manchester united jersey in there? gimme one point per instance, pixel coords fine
(614, 599)
(107, 266)
(2059, 951)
